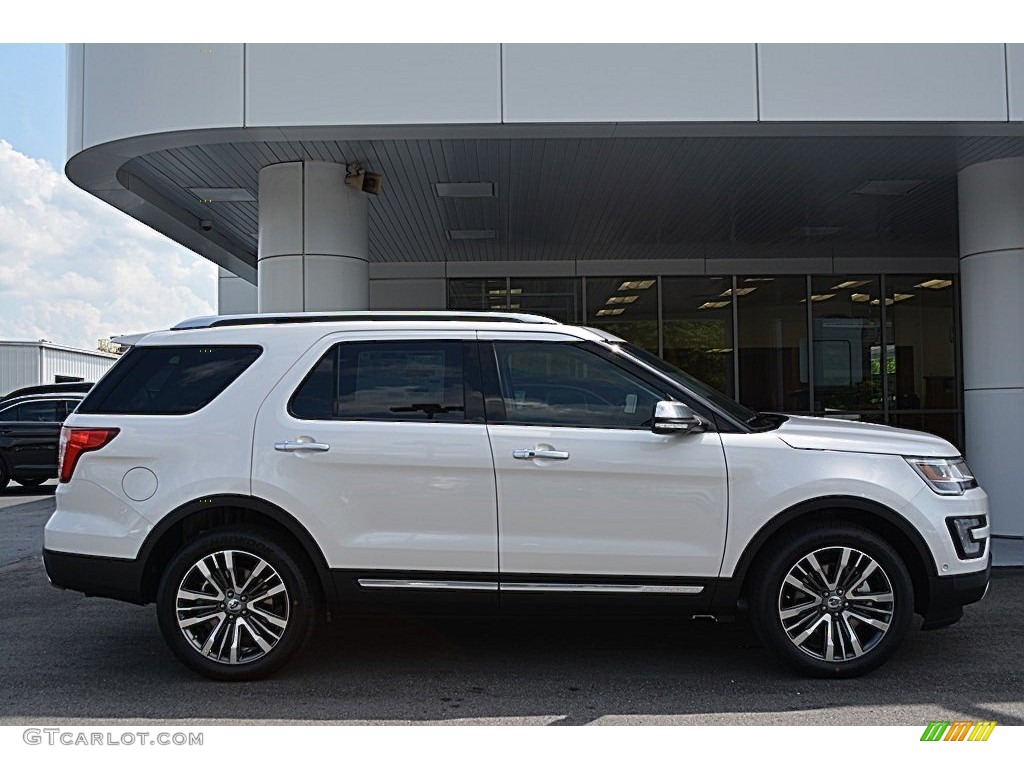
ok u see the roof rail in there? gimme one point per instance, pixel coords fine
(282, 318)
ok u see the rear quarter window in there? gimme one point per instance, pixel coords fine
(168, 380)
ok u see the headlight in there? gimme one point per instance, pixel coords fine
(947, 477)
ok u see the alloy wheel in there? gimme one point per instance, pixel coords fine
(836, 604)
(232, 606)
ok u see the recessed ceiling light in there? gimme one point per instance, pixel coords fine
(759, 279)
(604, 312)
(720, 350)
(223, 194)
(902, 296)
(850, 284)
(819, 297)
(738, 291)
(935, 283)
(636, 285)
(860, 297)
(464, 189)
(816, 231)
(714, 304)
(471, 234)
(621, 299)
(889, 187)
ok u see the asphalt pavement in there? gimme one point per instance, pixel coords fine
(67, 659)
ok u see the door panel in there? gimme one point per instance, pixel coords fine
(584, 486)
(624, 502)
(405, 483)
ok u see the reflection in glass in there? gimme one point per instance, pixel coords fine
(922, 369)
(554, 297)
(625, 306)
(772, 332)
(847, 334)
(489, 295)
(697, 316)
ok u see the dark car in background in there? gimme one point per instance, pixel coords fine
(30, 422)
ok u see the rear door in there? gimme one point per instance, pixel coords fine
(377, 444)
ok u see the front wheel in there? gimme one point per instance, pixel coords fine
(836, 601)
(236, 605)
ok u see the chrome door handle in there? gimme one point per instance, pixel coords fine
(531, 453)
(298, 445)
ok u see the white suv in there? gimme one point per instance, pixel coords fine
(245, 472)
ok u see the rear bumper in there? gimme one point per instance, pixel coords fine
(117, 578)
(947, 596)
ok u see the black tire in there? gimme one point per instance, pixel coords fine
(231, 619)
(30, 482)
(885, 600)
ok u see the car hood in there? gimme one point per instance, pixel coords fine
(824, 434)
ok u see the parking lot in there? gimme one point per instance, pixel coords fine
(69, 659)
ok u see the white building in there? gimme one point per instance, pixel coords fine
(26, 363)
(823, 229)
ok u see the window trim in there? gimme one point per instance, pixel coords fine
(472, 390)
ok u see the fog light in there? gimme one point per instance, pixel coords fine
(962, 529)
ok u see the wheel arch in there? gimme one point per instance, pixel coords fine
(876, 517)
(212, 512)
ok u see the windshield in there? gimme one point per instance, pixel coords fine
(738, 412)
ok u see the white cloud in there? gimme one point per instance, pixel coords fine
(74, 270)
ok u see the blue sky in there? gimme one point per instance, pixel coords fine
(32, 93)
(73, 269)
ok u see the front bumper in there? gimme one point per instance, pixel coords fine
(947, 596)
(117, 578)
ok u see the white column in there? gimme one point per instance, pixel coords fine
(313, 242)
(991, 201)
(235, 295)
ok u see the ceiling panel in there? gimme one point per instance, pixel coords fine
(612, 198)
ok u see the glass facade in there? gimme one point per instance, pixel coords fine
(878, 348)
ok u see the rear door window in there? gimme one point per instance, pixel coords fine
(168, 380)
(385, 381)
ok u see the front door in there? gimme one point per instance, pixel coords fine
(587, 493)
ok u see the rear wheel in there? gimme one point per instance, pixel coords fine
(30, 482)
(236, 605)
(835, 601)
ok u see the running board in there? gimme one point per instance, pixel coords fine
(490, 586)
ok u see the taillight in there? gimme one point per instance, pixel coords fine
(75, 441)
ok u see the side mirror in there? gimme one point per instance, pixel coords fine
(673, 418)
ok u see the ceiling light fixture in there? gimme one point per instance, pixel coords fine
(759, 280)
(816, 231)
(935, 284)
(860, 297)
(471, 234)
(850, 284)
(605, 312)
(621, 299)
(819, 297)
(889, 187)
(738, 291)
(464, 189)
(636, 285)
(714, 304)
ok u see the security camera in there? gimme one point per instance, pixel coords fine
(363, 180)
(206, 224)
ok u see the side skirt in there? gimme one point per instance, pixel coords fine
(438, 592)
